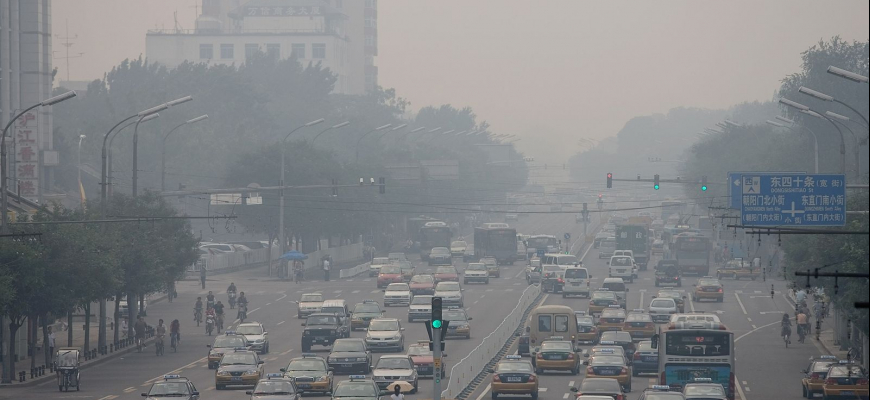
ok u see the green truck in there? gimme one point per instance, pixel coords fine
(634, 237)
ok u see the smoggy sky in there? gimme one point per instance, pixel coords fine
(548, 71)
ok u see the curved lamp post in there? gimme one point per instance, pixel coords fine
(801, 107)
(345, 123)
(824, 97)
(382, 127)
(109, 170)
(813, 134)
(142, 116)
(163, 148)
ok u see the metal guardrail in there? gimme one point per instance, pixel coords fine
(351, 272)
(466, 371)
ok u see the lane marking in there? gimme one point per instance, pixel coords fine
(542, 389)
(268, 304)
(286, 352)
(565, 396)
(280, 323)
(355, 291)
(484, 392)
(109, 397)
(571, 383)
(129, 389)
(336, 291)
(741, 304)
(281, 298)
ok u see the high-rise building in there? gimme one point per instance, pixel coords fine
(339, 34)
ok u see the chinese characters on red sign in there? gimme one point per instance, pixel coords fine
(26, 156)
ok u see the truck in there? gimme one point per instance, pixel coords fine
(496, 240)
(634, 237)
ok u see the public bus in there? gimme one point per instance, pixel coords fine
(542, 244)
(688, 354)
(671, 207)
(491, 240)
(433, 234)
(692, 253)
(413, 226)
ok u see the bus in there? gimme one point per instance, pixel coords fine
(433, 234)
(688, 354)
(542, 244)
(498, 242)
(692, 253)
(413, 226)
(672, 207)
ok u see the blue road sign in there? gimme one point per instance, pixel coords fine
(567, 236)
(735, 184)
(788, 199)
(540, 252)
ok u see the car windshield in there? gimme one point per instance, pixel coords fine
(440, 250)
(249, 330)
(274, 387)
(228, 341)
(447, 287)
(489, 261)
(322, 320)
(615, 336)
(673, 295)
(421, 300)
(567, 260)
(476, 267)
(603, 295)
(384, 325)
(704, 390)
(621, 261)
(380, 261)
(394, 363)
(556, 346)
(238, 359)
(367, 308)
(417, 350)
(576, 273)
(585, 321)
(313, 298)
(169, 389)
(355, 389)
(454, 316)
(398, 287)
(708, 282)
(422, 279)
(645, 346)
(306, 365)
(662, 303)
(445, 270)
(349, 345)
(514, 366)
(614, 286)
(637, 317)
(391, 269)
(607, 360)
(600, 385)
(458, 244)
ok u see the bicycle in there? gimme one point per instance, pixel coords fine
(786, 333)
(173, 340)
(197, 316)
(158, 345)
(220, 323)
(139, 343)
(801, 333)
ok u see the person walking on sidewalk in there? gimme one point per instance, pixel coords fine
(326, 265)
(202, 273)
(51, 341)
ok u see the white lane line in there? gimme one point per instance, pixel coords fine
(280, 323)
(286, 352)
(741, 304)
(375, 291)
(522, 272)
(571, 384)
(754, 327)
(489, 290)
(542, 389)
(482, 296)
(355, 291)
(129, 389)
(691, 304)
(268, 304)
(565, 396)
(484, 392)
(109, 397)
(747, 389)
(749, 319)
(744, 382)
(367, 280)
(336, 291)
(281, 298)
(252, 311)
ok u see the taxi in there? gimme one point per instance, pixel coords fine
(512, 376)
(639, 324)
(708, 288)
(242, 367)
(621, 339)
(587, 332)
(424, 360)
(172, 386)
(407, 270)
(609, 364)
(363, 313)
(704, 389)
(815, 374)
(607, 349)
(274, 387)
(422, 284)
(679, 297)
(845, 380)
(223, 344)
(310, 372)
(612, 318)
(357, 387)
(661, 392)
(446, 273)
(555, 354)
(600, 300)
(459, 323)
(491, 266)
(308, 304)
(389, 274)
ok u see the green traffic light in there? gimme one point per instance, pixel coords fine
(436, 324)
(656, 187)
(704, 188)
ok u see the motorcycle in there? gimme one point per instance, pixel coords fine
(232, 299)
(243, 313)
(209, 324)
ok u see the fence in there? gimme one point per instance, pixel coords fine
(228, 261)
(351, 272)
(466, 371)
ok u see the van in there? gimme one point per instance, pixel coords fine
(606, 247)
(576, 282)
(621, 267)
(337, 307)
(552, 320)
(616, 285)
(560, 259)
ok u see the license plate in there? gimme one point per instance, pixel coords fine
(608, 372)
(649, 358)
(347, 365)
(236, 379)
(381, 344)
(304, 386)
(620, 271)
(320, 338)
(575, 283)
(514, 379)
(847, 393)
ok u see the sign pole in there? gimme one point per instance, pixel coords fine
(436, 356)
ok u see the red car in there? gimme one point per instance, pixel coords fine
(422, 284)
(423, 360)
(446, 274)
(390, 274)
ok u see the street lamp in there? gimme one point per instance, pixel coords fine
(109, 174)
(847, 74)
(824, 97)
(806, 109)
(142, 115)
(345, 123)
(79, 167)
(412, 131)
(4, 201)
(390, 130)
(813, 134)
(382, 127)
(163, 148)
(836, 121)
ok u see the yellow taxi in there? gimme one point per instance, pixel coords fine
(224, 344)
(845, 380)
(606, 363)
(310, 372)
(556, 354)
(815, 375)
(612, 319)
(639, 324)
(708, 288)
(512, 376)
(363, 313)
(600, 300)
(242, 367)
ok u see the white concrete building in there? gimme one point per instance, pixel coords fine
(339, 34)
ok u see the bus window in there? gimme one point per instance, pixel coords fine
(545, 323)
(561, 323)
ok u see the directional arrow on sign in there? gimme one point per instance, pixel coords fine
(737, 182)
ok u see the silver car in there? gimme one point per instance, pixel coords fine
(385, 334)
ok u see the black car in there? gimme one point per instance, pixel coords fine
(350, 355)
(523, 347)
(619, 338)
(552, 278)
(668, 274)
(172, 387)
(323, 329)
(600, 387)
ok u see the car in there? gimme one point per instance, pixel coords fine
(174, 386)
(224, 344)
(385, 334)
(392, 368)
(475, 272)
(350, 355)
(668, 274)
(845, 380)
(469, 253)
(397, 294)
(552, 278)
(407, 270)
(594, 386)
(458, 247)
(612, 318)
(622, 267)
(679, 297)
(708, 288)
(511, 216)
(256, 335)
(390, 274)
(661, 309)
(459, 323)
(422, 284)
(323, 329)
(240, 367)
(815, 374)
(555, 353)
(704, 389)
(606, 247)
(440, 256)
(658, 246)
(358, 387)
(420, 308)
(275, 387)
(617, 286)
(450, 293)
(396, 257)
(660, 392)
(621, 339)
(605, 365)
(308, 304)
(697, 320)
(587, 332)
(310, 372)
(596, 241)
(533, 271)
(576, 282)
(645, 359)
(600, 300)
(639, 324)
(424, 360)
(376, 265)
(738, 269)
(491, 266)
(514, 376)
(446, 274)
(363, 313)
(606, 349)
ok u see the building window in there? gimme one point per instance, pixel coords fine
(251, 49)
(371, 3)
(370, 40)
(371, 22)
(206, 52)
(227, 51)
(298, 50)
(318, 50)
(273, 50)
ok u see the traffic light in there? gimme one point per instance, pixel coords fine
(656, 182)
(704, 183)
(436, 322)
(609, 180)
(436, 313)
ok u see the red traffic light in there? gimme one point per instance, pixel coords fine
(599, 195)
(609, 175)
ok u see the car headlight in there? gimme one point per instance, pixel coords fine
(252, 372)
(361, 359)
(223, 373)
(321, 378)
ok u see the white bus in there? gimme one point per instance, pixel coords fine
(688, 354)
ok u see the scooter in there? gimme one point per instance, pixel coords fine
(232, 299)
(209, 324)
(243, 313)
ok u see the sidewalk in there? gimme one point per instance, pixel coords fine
(825, 337)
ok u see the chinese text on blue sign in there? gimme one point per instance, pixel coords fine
(786, 199)
(735, 185)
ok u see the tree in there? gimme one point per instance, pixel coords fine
(26, 270)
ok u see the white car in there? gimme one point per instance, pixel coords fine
(394, 257)
(420, 308)
(122, 307)
(376, 264)
(622, 267)
(385, 334)
(310, 303)
(392, 368)
(257, 336)
(458, 247)
(450, 293)
(661, 309)
(696, 321)
(397, 294)
(475, 272)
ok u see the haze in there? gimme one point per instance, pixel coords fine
(548, 72)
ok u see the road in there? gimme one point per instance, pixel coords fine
(748, 310)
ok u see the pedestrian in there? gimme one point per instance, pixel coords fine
(397, 393)
(326, 269)
(202, 273)
(51, 341)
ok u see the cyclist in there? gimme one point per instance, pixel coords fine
(802, 325)
(219, 313)
(243, 304)
(160, 332)
(139, 328)
(786, 327)
(231, 294)
(175, 332)
(197, 310)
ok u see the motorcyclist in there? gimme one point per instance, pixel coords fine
(243, 305)
(786, 326)
(232, 288)
(210, 299)
(209, 317)
(231, 294)
(197, 308)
